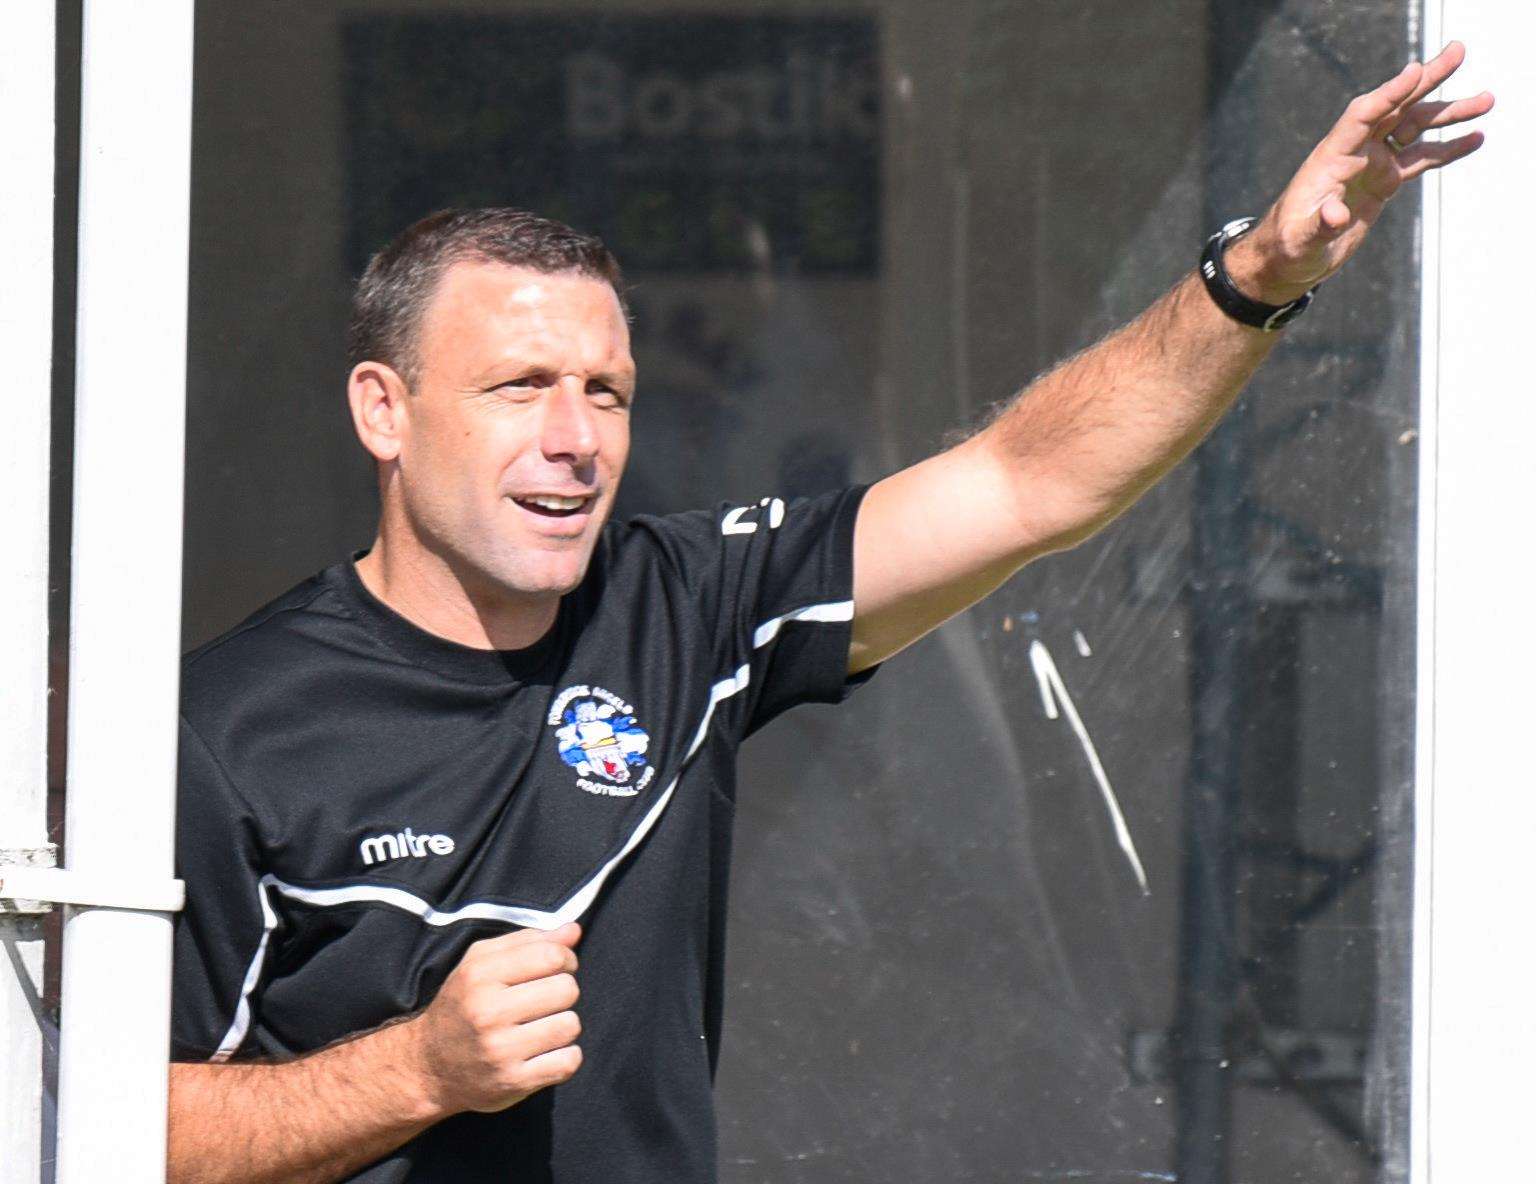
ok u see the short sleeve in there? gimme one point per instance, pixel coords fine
(774, 581)
(220, 934)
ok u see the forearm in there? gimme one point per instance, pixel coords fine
(1082, 443)
(1086, 440)
(1073, 450)
(309, 1121)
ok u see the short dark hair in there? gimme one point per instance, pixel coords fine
(400, 279)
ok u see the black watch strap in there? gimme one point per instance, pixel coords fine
(1218, 283)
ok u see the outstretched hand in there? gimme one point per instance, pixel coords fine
(1339, 192)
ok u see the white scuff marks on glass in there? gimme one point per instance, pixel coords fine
(1081, 642)
(1058, 701)
(984, 698)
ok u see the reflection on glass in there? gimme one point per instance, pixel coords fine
(850, 231)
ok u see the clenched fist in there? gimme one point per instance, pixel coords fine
(501, 1027)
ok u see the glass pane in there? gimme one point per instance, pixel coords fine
(850, 231)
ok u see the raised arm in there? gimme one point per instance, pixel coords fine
(1082, 443)
(501, 1028)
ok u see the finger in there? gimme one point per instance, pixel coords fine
(1438, 69)
(1435, 72)
(568, 934)
(521, 963)
(522, 1002)
(1333, 218)
(553, 1068)
(1365, 112)
(494, 948)
(1420, 158)
(1423, 117)
(549, 1033)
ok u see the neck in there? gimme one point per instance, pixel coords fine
(427, 590)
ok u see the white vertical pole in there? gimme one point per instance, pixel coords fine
(1475, 1020)
(135, 168)
(26, 343)
(1424, 699)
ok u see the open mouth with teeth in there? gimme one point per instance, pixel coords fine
(549, 506)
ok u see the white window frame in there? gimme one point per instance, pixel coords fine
(26, 342)
(125, 611)
(1474, 1022)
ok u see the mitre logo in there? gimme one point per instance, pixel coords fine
(405, 844)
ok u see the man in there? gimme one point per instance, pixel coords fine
(416, 785)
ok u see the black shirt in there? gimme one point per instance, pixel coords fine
(360, 800)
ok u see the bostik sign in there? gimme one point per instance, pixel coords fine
(690, 143)
(809, 99)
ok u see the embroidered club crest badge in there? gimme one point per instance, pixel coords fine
(598, 736)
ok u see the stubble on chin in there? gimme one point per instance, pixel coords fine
(520, 571)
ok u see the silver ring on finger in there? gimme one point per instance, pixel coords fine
(1393, 142)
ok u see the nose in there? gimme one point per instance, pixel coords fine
(569, 430)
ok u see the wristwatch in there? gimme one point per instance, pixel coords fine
(1218, 283)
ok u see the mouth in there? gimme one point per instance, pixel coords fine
(560, 518)
(553, 506)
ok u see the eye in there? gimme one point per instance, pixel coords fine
(603, 395)
(522, 388)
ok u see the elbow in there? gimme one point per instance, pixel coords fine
(1045, 503)
(1051, 513)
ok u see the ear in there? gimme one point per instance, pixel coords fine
(378, 398)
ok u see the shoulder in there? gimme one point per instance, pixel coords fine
(733, 567)
(652, 533)
(268, 644)
(648, 551)
(695, 541)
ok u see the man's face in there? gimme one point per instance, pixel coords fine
(517, 428)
